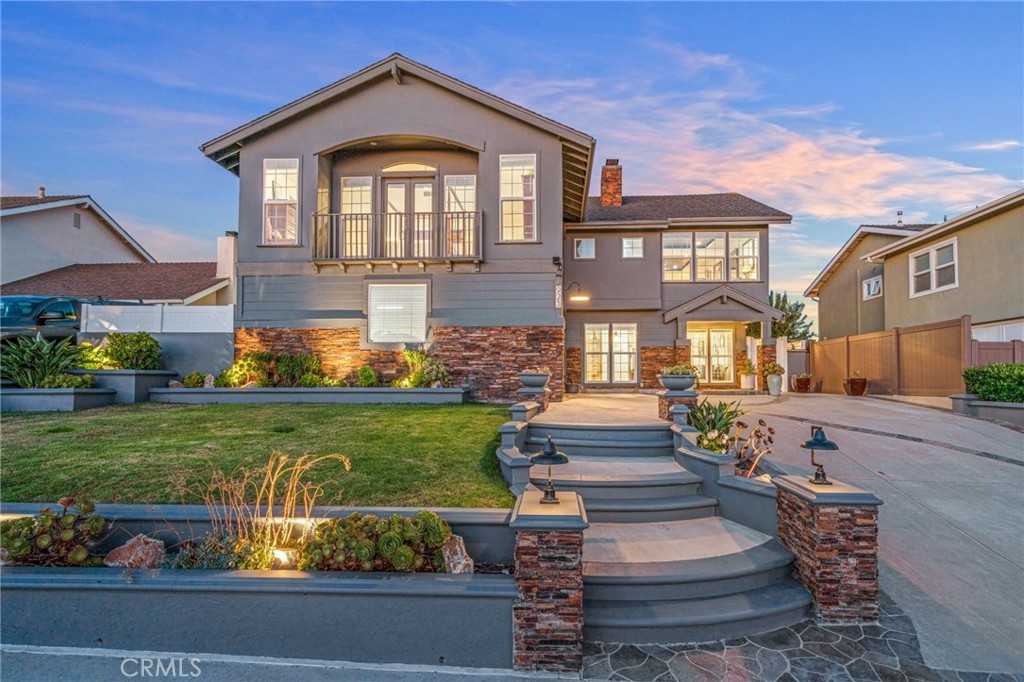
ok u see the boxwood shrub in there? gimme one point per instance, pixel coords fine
(1001, 382)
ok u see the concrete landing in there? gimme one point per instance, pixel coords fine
(667, 540)
(605, 409)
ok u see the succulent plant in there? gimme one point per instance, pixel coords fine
(54, 538)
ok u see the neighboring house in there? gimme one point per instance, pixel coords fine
(43, 233)
(970, 265)
(400, 206)
(175, 283)
(850, 291)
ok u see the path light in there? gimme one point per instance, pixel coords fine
(818, 441)
(549, 456)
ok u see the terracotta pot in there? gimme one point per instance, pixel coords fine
(677, 382)
(856, 386)
(802, 384)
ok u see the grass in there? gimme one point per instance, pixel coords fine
(402, 455)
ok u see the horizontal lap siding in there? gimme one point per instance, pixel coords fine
(651, 330)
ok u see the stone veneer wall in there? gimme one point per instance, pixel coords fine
(548, 618)
(488, 359)
(653, 358)
(765, 354)
(836, 550)
(573, 366)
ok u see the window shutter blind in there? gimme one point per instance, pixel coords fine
(398, 313)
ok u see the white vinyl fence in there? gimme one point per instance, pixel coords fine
(157, 319)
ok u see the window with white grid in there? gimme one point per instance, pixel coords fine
(280, 201)
(933, 269)
(743, 256)
(632, 247)
(709, 251)
(518, 197)
(397, 313)
(676, 256)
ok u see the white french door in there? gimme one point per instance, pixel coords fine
(610, 353)
(711, 351)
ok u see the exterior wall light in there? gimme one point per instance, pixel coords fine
(549, 456)
(818, 441)
(578, 296)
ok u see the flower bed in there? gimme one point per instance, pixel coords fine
(210, 396)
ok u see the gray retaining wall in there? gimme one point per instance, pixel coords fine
(54, 399)
(357, 396)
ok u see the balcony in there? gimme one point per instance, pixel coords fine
(392, 238)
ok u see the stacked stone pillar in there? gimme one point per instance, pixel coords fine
(833, 531)
(766, 352)
(548, 617)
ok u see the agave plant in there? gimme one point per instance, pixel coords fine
(719, 417)
(29, 362)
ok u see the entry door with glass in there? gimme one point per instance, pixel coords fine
(711, 352)
(610, 354)
(408, 218)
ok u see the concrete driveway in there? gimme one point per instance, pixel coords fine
(952, 526)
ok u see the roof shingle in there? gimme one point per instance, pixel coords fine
(674, 206)
(126, 281)
(20, 202)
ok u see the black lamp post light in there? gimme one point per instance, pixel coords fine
(549, 456)
(818, 441)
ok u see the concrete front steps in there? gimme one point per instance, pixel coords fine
(630, 489)
(685, 581)
(583, 440)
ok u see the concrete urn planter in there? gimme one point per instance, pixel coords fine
(774, 382)
(534, 379)
(677, 382)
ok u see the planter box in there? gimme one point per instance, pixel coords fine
(132, 385)
(54, 399)
(423, 619)
(970, 404)
(351, 396)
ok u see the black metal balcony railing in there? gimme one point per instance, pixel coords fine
(396, 236)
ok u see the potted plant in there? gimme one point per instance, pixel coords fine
(747, 372)
(678, 377)
(773, 372)
(855, 385)
(535, 377)
(802, 382)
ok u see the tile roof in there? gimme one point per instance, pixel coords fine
(667, 207)
(128, 281)
(19, 202)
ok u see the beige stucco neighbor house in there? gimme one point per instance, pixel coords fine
(970, 265)
(43, 233)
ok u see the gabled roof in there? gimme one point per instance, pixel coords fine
(577, 147)
(851, 244)
(15, 205)
(723, 292)
(1005, 203)
(168, 282)
(728, 206)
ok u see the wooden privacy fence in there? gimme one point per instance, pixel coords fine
(924, 360)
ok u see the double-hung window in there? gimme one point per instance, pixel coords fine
(743, 256)
(933, 269)
(872, 287)
(518, 197)
(632, 247)
(709, 248)
(397, 313)
(280, 201)
(676, 256)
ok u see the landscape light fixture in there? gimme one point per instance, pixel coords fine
(549, 456)
(579, 296)
(818, 441)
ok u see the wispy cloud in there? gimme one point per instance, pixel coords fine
(168, 245)
(992, 146)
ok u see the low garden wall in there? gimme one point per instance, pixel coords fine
(209, 396)
(413, 618)
(54, 399)
(131, 385)
(969, 404)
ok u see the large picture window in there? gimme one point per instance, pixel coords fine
(743, 256)
(709, 255)
(397, 313)
(518, 197)
(933, 269)
(280, 201)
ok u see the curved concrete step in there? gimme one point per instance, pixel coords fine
(696, 620)
(650, 510)
(657, 431)
(604, 478)
(591, 447)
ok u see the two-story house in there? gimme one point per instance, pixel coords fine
(401, 207)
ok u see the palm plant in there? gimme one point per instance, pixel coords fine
(29, 362)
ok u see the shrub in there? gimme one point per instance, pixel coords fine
(774, 369)
(291, 368)
(194, 380)
(423, 371)
(679, 369)
(746, 368)
(434, 371)
(210, 551)
(223, 380)
(367, 377)
(1001, 382)
(252, 366)
(137, 350)
(368, 543)
(318, 381)
(94, 357)
(543, 369)
(54, 538)
(714, 420)
(28, 362)
(68, 381)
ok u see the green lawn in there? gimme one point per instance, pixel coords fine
(404, 455)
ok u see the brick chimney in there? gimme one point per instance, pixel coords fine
(42, 191)
(611, 183)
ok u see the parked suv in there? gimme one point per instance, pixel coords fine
(55, 317)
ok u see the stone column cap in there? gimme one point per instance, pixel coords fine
(530, 514)
(838, 494)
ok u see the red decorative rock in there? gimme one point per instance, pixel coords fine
(175, 384)
(208, 381)
(139, 552)
(456, 559)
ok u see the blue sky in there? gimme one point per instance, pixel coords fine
(838, 113)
